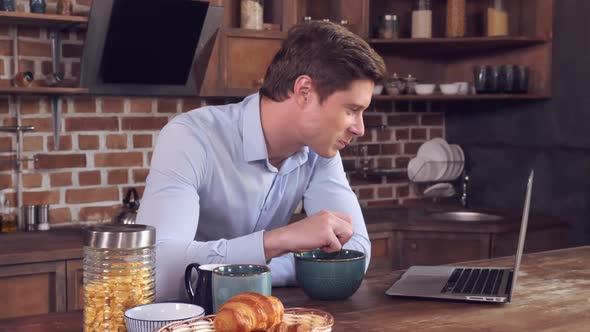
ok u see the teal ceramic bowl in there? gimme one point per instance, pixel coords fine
(330, 276)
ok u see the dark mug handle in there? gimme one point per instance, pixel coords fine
(187, 280)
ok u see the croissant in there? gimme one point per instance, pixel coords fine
(248, 312)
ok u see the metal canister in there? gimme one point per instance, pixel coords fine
(30, 218)
(42, 217)
(119, 273)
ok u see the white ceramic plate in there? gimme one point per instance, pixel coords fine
(419, 170)
(443, 189)
(438, 152)
(458, 161)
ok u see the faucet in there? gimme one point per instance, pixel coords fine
(464, 184)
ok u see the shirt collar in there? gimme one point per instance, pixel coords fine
(254, 144)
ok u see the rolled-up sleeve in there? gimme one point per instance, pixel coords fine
(329, 190)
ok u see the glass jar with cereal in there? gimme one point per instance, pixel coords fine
(119, 273)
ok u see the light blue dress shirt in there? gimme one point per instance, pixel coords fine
(211, 193)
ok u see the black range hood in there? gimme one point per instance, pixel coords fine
(148, 47)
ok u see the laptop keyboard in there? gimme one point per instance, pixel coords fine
(476, 281)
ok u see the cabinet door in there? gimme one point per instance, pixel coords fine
(434, 248)
(30, 289)
(247, 55)
(75, 284)
(381, 249)
(504, 244)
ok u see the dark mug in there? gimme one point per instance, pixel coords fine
(202, 295)
(507, 78)
(480, 78)
(521, 79)
(493, 79)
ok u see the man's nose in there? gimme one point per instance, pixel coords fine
(358, 127)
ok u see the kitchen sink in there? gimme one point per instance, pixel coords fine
(464, 216)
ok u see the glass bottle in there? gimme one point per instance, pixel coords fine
(251, 14)
(37, 6)
(389, 27)
(456, 18)
(422, 19)
(394, 85)
(7, 5)
(7, 222)
(410, 85)
(119, 273)
(497, 18)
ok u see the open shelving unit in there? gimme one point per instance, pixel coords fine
(441, 97)
(442, 59)
(51, 21)
(42, 90)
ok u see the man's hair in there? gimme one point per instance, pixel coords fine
(330, 54)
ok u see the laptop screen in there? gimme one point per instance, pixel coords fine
(523, 227)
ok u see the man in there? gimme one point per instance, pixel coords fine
(225, 180)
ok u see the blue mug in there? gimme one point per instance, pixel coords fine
(230, 280)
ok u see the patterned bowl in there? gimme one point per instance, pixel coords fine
(330, 276)
(148, 317)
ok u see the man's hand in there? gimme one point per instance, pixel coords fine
(328, 230)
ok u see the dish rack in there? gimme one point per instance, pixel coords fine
(424, 167)
(461, 181)
(318, 320)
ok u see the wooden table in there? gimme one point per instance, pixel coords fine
(553, 294)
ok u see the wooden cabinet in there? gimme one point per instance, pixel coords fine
(434, 248)
(38, 288)
(28, 289)
(75, 284)
(240, 56)
(247, 56)
(432, 60)
(401, 239)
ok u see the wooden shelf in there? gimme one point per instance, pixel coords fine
(441, 97)
(237, 32)
(453, 45)
(37, 90)
(42, 20)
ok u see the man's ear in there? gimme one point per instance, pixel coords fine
(302, 90)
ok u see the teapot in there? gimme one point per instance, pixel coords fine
(128, 212)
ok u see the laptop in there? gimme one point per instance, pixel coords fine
(480, 284)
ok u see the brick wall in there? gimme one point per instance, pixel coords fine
(377, 162)
(106, 142)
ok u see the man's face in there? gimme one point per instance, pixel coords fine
(330, 126)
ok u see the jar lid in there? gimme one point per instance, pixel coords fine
(131, 236)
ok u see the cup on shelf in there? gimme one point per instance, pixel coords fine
(7, 5)
(493, 79)
(64, 7)
(521, 79)
(506, 79)
(449, 89)
(378, 89)
(425, 89)
(480, 78)
(37, 6)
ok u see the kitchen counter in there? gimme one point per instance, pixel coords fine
(66, 243)
(417, 218)
(551, 295)
(35, 247)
